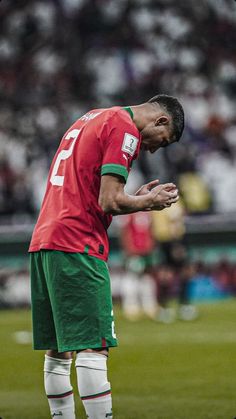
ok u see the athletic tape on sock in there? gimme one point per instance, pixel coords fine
(92, 376)
(91, 360)
(57, 366)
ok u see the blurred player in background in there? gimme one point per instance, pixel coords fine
(138, 288)
(71, 298)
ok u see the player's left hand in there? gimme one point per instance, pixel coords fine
(145, 189)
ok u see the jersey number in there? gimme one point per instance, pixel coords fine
(63, 155)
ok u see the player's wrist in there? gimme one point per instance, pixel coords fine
(149, 201)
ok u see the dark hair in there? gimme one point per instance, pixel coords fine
(172, 106)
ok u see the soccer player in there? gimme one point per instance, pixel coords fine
(138, 289)
(71, 297)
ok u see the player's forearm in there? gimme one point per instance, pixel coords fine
(126, 204)
(113, 199)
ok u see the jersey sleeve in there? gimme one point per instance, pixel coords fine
(121, 146)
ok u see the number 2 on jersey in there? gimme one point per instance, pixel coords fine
(56, 179)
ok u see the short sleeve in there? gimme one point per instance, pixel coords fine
(121, 144)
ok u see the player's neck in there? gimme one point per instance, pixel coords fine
(143, 114)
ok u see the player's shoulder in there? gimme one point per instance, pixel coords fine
(113, 115)
(119, 113)
(118, 117)
(107, 120)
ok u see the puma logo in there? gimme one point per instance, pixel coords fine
(125, 157)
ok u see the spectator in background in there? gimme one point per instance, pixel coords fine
(7, 185)
(169, 231)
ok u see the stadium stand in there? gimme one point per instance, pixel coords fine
(60, 58)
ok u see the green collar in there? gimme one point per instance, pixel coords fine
(129, 110)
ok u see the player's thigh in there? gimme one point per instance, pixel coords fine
(44, 336)
(79, 288)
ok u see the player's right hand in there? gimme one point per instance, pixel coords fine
(164, 196)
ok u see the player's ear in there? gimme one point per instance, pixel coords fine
(162, 120)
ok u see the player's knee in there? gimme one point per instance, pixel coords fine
(102, 351)
(57, 366)
(59, 355)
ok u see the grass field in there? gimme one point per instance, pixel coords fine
(175, 371)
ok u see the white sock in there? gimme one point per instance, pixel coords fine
(58, 387)
(147, 291)
(94, 389)
(130, 298)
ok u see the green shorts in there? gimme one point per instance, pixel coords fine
(71, 301)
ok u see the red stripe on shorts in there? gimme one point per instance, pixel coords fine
(104, 343)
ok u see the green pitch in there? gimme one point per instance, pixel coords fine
(175, 371)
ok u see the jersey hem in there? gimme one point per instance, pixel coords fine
(46, 246)
(117, 169)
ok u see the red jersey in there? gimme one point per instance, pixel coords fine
(103, 141)
(137, 236)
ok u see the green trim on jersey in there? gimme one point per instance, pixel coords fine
(129, 110)
(116, 169)
(86, 249)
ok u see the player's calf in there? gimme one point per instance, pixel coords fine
(94, 388)
(58, 387)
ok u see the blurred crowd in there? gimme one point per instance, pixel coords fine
(157, 266)
(59, 58)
